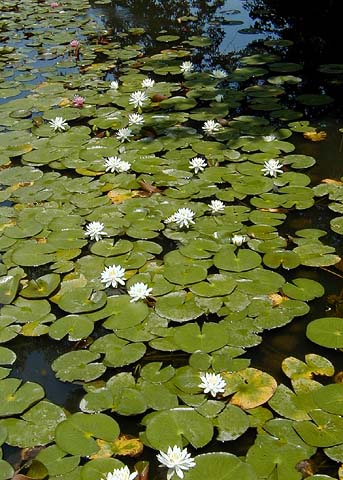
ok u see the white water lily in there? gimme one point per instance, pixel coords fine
(148, 83)
(58, 124)
(112, 163)
(139, 291)
(216, 206)
(138, 98)
(183, 217)
(114, 85)
(113, 275)
(124, 134)
(95, 230)
(211, 126)
(212, 383)
(123, 167)
(135, 119)
(176, 460)
(238, 240)
(121, 474)
(268, 138)
(197, 164)
(272, 168)
(218, 73)
(187, 67)
(219, 98)
(116, 164)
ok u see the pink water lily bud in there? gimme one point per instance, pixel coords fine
(74, 44)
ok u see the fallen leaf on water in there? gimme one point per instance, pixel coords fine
(315, 136)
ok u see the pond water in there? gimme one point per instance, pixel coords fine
(235, 292)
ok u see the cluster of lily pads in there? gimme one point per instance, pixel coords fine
(142, 227)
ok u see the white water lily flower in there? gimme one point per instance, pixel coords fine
(183, 217)
(176, 460)
(216, 206)
(148, 83)
(58, 124)
(212, 383)
(95, 230)
(115, 164)
(121, 474)
(218, 73)
(123, 166)
(124, 134)
(187, 67)
(135, 119)
(268, 138)
(139, 291)
(138, 98)
(272, 168)
(113, 275)
(219, 98)
(211, 126)
(238, 240)
(114, 85)
(197, 164)
(112, 164)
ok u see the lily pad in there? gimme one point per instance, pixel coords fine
(174, 426)
(327, 332)
(78, 433)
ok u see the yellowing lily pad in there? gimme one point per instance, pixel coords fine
(251, 387)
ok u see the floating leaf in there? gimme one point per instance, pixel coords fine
(324, 431)
(16, 398)
(78, 433)
(226, 259)
(251, 387)
(327, 332)
(78, 365)
(36, 426)
(220, 466)
(190, 338)
(171, 427)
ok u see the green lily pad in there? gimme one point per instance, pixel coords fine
(226, 259)
(303, 289)
(178, 306)
(76, 327)
(56, 461)
(327, 332)
(220, 466)
(118, 352)
(177, 425)
(279, 455)
(290, 405)
(184, 274)
(314, 99)
(325, 429)
(126, 314)
(16, 397)
(78, 433)
(80, 300)
(232, 423)
(78, 365)
(190, 338)
(329, 398)
(42, 287)
(35, 427)
(9, 284)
